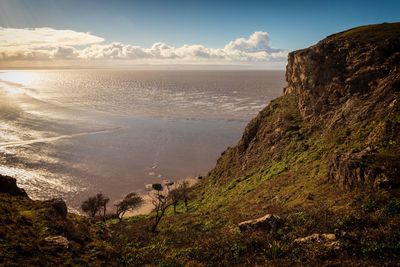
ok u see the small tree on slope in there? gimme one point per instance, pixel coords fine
(130, 202)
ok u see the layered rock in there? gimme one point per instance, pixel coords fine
(365, 169)
(343, 68)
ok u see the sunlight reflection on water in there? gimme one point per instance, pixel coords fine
(73, 133)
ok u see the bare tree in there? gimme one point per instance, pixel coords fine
(90, 206)
(102, 202)
(130, 202)
(161, 201)
(183, 188)
(96, 204)
(180, 193)
(175, 196)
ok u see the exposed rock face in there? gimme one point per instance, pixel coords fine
(8, 185)
(268, 222)
(343, 91)
(352, 64)
(364, 169)
(348, 78)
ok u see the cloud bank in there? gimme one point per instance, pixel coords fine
(47, 44)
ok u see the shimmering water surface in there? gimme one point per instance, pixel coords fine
(72, 133)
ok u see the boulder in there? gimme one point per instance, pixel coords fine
(268, 222)
(58, 240)
(327, 240)
(58, 206)
(8, 185)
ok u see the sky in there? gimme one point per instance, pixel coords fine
(255, 34)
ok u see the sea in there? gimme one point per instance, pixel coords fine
(73, 133)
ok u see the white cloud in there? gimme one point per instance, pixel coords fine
(257, 42)
(47, 44)
(42, 43)
(113, 51)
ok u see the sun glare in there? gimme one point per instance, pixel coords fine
(21, 78)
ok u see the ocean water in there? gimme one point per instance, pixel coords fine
(73, 133)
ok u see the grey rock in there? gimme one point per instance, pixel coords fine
(364, 169)
(327, 240)
(268, 222)
(58, 240)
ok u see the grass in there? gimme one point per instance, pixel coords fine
(370, 33)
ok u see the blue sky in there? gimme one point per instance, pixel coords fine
(290, 24)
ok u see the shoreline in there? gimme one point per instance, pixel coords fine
(74, 163)
(147, 207)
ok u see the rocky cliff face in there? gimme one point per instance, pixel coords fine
(342, 102)
(348, 78)
(354, 72)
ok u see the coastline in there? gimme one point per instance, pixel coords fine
(56, 149)
(147, 207)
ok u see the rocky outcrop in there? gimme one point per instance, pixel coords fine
(359, 62)
(268, 222)
(8, 185)
(366, 169)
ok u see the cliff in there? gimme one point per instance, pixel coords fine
(342, 103)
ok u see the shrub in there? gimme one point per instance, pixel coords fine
(130, 202)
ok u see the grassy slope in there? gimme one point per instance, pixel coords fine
(292, 185)
(280, 166)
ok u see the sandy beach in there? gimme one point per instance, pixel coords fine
(147, 206)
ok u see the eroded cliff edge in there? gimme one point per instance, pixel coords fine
(338, 122)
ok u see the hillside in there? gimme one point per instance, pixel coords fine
(336, 126)
(324, 157)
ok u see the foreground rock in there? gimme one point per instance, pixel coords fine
(327, 240)
(58, 240)
(268, 222)
(8, 185)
